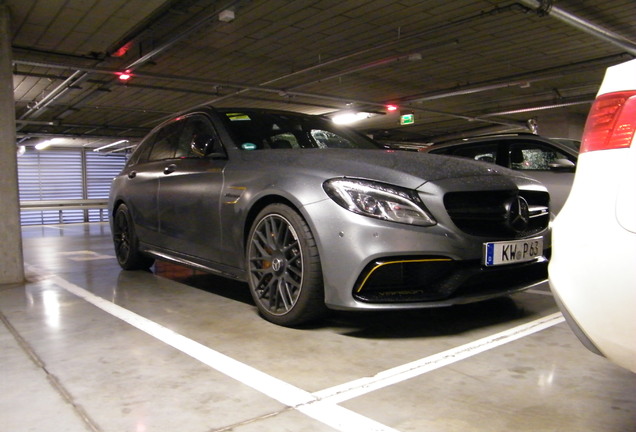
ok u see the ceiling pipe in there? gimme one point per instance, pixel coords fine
(36, 122)
(415, 56)
(430, 31)
(271, 90)
(242, 89)
(546, 8)
(196, 26)
(76, 78)
(588, 99)
(54, 94)
(30, 135)
(518, 80)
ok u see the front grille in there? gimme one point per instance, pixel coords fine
(488, 213)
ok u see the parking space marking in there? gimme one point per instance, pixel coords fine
(322, 405)
(85, 255)
(404, 372)
(326, 412)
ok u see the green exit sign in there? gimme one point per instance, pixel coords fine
(407, 119)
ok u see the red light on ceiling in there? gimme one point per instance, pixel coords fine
(124, 76)
(122, 50)
(391, 108)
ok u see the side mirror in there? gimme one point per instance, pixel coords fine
(562, 165)
(203, 145)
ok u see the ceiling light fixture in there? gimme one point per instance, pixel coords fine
(48, 143)
(124, 76)
(121, 149)
(227, 15)
(350, 117)
(122, 50)
(110, 145)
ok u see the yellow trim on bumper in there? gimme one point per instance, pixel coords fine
(399, 262)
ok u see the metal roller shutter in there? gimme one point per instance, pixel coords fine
(65, 174)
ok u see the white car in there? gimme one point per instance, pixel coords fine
(593, 268)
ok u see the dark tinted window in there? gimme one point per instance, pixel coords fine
(142, 151)
(486, 152)
(255, 130)
(166, 141)
(196, 126)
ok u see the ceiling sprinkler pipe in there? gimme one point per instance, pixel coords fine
(545, 7)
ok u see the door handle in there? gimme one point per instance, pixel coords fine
(132, 174)
(169, 169)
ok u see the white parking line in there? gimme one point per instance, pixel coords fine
(322, 405)
(401, 373)
(328, 413)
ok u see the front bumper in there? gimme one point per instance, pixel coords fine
(442, 281)
(374, 264)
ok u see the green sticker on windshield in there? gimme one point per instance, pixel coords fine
(248, 146)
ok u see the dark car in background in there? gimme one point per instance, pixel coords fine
(315, 216)
(550, 161)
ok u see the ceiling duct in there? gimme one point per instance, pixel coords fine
(546, 8)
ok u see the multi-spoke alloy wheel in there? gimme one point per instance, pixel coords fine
(284, 267)
(126, 250)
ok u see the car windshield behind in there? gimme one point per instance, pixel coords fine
(256, 130)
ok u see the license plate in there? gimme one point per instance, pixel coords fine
(512, 252)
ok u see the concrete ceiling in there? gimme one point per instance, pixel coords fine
(460, 66)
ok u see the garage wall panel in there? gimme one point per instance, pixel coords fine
(65, 175)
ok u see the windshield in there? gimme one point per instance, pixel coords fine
(257, 130)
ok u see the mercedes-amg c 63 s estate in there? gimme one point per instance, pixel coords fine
(314, 216)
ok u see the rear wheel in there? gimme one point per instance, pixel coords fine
(283, 264)
(126, 242)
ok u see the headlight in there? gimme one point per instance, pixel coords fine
(379, 200)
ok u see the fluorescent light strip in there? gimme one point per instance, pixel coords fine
(47, 143)
(110, 145)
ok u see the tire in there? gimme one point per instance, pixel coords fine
(283, 265)
(126, 242)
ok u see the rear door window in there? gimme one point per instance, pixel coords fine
(533, 156)
(485, 152)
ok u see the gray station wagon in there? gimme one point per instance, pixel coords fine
(314, 216)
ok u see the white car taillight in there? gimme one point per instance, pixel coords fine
(611, 123)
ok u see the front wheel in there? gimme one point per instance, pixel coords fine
(283, 265)
(126, 249)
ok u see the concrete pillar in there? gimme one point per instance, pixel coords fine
(11, 261)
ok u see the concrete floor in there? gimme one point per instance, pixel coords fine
(88, 347)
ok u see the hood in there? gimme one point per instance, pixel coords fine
(400, 168)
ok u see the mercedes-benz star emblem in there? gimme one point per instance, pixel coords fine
(518, 214)
(277, 263)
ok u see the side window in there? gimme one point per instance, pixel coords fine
(284, 140)
(166, 141)
(485, 152)
(328, 139)
(197, 127)
(141, 153)
(532, 156)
